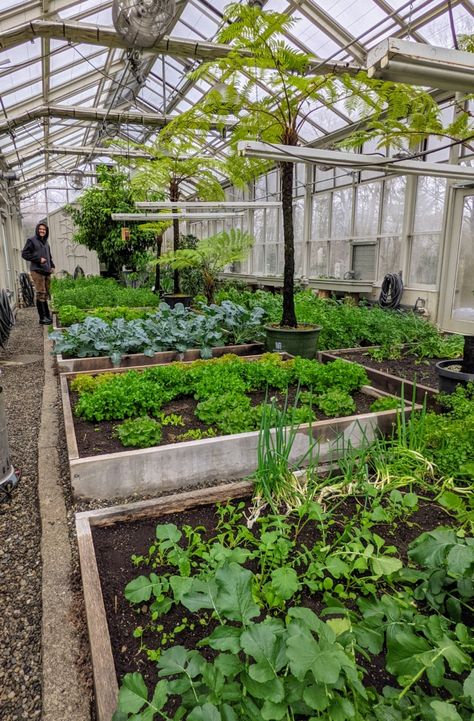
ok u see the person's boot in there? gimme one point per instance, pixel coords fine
(39, 306)
(47, 320)
(47, 312)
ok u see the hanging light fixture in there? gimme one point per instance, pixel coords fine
(402, 61)
(141, 23)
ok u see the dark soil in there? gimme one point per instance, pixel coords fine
(115, 545)
(410, 368)
(94, 439)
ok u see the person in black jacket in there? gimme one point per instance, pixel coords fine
(38, 252)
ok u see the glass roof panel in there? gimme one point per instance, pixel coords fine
(315, 40)
(354, 16)
(196, 18)
(26, 93)
(18, 78)
(79, 8)
(438, 31)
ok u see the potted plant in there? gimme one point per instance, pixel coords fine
(451, 372)
(94, 227)
(261, 59)
(210, 256)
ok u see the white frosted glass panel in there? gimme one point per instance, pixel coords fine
(260, 187)
(271, 226)
(259, 226)
(324, 179)
(339, 258)
(429, 204)
(341, 213)
(298, 259)
(389, 256)
(367, 209)
(318, 258)
(464, 295)
(424, 258)
(393, 205)
(320, 216)
(271, 259)
(258, 260)
(298, 215)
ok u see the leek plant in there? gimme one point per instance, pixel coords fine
(278, 481)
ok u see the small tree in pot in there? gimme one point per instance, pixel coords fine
(211, 256)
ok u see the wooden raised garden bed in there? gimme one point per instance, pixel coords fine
(177, 465)
(105, 678)
(134, 360)
(382, 380)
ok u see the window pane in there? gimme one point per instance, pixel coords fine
(339, 258)
(464, 295)
(367, 209)
(341, 213)
(320, 216)
(424, 258)
(389, 256)
(318, 259)
(393, 205)
(429, 204)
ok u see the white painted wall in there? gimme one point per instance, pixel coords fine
(66, 253)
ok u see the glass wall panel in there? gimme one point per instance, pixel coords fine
(429, 204)
(393, 205)
(298, 219)
(341, 213)
(367, 209)
(464, 289)
(318, 258)
(320, 210)
(339, 258)
(258, 259)
(389, 256)
(271, 225)
(259, 226)
(271, 259)
(424, 258)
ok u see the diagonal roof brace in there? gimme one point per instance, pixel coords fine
(78, 32)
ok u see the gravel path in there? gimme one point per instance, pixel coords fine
(20, 563)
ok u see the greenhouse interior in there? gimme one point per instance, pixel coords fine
(237, 360)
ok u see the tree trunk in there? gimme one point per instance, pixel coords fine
(174, 196)
(209, 286)
(289, 315)
(468, 356)
(159, 244)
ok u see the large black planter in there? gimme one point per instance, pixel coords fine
(302, 341)
(173, 299)
(449, 379)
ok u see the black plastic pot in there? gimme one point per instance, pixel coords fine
(302, 341)
(173, 299)
(449, 379)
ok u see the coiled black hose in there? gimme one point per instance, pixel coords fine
(27, 290)
(7, 319)
(391, 291)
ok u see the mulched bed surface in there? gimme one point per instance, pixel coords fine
(94, 439)
(410, 368)
(114, 546)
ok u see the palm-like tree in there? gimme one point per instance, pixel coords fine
(176, 160)
(211, 255)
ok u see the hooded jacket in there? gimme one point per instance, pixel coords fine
(36, 248)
